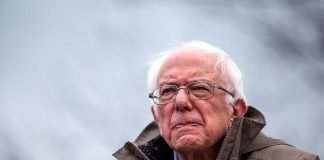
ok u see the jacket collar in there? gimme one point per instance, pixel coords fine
(237, 140)
(241, 134)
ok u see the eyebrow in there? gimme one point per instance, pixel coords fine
(167, 83)
(172, 82)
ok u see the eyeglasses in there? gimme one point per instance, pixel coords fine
(195, 90)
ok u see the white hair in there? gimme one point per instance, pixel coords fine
(229, 70)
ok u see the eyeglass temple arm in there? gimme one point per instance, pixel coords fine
(152, 96)
(223, 89)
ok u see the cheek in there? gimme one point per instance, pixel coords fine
(165, 114)
(216, 119)
(216, 128)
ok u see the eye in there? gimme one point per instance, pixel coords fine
(200, 87)
(200, 90)
(168, 90)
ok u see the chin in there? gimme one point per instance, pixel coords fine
(188, 143)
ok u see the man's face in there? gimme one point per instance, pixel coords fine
(185, 124)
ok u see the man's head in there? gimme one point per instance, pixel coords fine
(193, 115)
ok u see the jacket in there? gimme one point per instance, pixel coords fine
(243, 141)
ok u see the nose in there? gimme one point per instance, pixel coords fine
(182, 101)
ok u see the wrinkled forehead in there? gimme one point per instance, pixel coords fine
(190, 58)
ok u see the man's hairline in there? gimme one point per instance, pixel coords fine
(216, 55)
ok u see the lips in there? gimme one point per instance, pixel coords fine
(186, 123)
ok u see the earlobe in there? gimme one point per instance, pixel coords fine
(155, 116)
(240, 108)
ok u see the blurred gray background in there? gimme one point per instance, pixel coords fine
(73, 73)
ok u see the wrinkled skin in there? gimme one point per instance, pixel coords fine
(194, 129)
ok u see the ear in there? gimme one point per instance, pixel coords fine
(155, 115)
(240, 108)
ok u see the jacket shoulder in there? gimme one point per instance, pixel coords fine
(281, 152)
(130, 152)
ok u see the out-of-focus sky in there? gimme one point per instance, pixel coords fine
(73, 73)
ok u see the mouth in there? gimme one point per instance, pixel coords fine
(183, 124)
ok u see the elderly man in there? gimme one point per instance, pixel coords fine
(200, 112)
